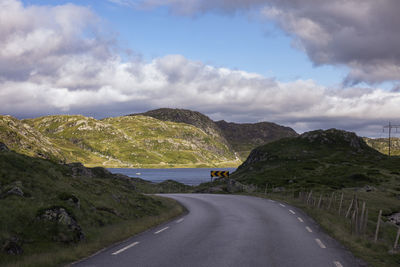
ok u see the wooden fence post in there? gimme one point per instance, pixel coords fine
(377, 225)
(365, 222)
(357, 218)
(309, 196)
(330, 201)
(340, 205)
(362, 217)
(396, 242)
(319, 202)
(352, 222)
(349, 209)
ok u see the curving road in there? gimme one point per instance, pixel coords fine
(229, 230)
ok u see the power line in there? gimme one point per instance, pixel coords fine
(390, 127)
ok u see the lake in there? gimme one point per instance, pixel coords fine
(189, 176)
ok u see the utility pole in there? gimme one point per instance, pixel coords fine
(390, 127)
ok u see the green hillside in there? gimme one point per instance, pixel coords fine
(331, 159)
(132, 141)
(160, 138)
(21, 137)
(239, 137)
(54, 213)
(382, 145)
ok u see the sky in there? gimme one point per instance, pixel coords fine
(307, 64)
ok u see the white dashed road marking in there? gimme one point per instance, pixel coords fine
(271, 200)
(319, 242)
(180, 220)
(125, 248)
(292, 212)
(337, 264)
(300, 219)
(159, 231)
(282, 205)
(309, 229)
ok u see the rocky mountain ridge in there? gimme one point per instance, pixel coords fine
(240, 137)
(131, 141)
(243, 137)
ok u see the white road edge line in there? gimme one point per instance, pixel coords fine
(180, 220)
(125, 248)
(282, 205)
(300, 219)
(292, 212)
(271, 200)
(309, 229)
(337, 264)
(159, 231)
(319, 242)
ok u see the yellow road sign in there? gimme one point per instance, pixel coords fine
(219, 173)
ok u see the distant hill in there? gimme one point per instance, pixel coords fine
(243, 137)
(155, 139)
(331, 158)
(20, 136)
(132, 141)
(382, 145)
(194, 118)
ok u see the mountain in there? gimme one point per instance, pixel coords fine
(21, 137)
(194, 118)
(132, 141)
(331, 158)
(382, 145)
(243, 137)
(157, 138)
(240, 137)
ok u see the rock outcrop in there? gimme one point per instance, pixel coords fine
(12, 246)
(70, 231)
(395, 218)
(3, 147)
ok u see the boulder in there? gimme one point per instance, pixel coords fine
(12, 247)
(278, 189)
(78, 169)
(60, 216)
(395, 218)
(368, 188)
(3, 147)
(234, 186)
(15, 191)
(250, 188)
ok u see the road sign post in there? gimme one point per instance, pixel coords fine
(219, 174)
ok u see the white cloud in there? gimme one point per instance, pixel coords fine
(361, 34)
(79, 73)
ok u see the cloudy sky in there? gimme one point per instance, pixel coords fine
(308, 64)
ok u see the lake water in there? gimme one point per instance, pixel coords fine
(189, 176)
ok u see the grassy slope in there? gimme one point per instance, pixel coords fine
(136, 141)
(109, 210)
(21, 137)
(327, 161)
(382, 145)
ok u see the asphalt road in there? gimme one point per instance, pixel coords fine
(229, 230)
